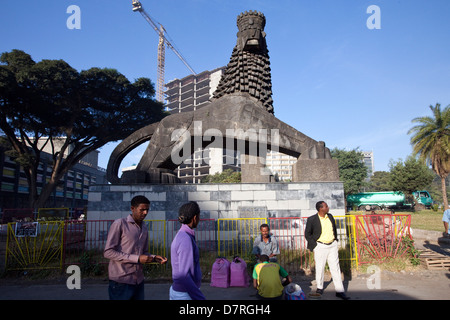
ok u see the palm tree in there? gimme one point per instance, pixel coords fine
(431, 140)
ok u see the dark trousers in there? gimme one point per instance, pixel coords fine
(123, 291)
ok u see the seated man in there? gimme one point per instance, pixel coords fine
(266, 244)
(266, 279)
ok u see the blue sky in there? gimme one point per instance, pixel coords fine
(333, 78)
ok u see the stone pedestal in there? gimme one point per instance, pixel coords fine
(305, 170)
(151, 176)
(217, 201)
(253, 169)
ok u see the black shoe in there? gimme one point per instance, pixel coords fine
(342, 296)
(319, 291)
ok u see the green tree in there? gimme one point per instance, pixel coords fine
(435, 189)
(48, 102)
(431, 141)
(226, 176)
(380, 181)
(352, 171)
(410, 175)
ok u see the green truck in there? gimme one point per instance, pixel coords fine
(387, 200)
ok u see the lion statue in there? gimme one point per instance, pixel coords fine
(241, 104)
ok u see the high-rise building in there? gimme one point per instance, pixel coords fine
(192, 92)
(280, 165)
(369, 163)
(189, 94)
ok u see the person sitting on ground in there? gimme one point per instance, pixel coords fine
(267, 279)
(266, 244)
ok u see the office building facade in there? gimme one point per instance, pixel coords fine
(71, 192)
(369, 163)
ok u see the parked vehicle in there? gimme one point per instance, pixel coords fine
(387, 200)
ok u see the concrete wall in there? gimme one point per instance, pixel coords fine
(218, 201)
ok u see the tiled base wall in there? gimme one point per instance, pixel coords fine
(218, 201)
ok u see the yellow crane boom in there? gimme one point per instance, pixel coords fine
(163, 41)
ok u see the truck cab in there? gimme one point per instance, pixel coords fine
(423, 197)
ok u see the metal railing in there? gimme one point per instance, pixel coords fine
(56, 244)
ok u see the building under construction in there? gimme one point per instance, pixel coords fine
(192, 92)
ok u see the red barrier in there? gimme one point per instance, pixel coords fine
(205, 234)
(290, 235)
(380, 237)
(84, 241)
(377, 237)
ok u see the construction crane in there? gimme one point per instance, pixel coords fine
(163, 41)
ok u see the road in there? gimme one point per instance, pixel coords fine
(418, 285)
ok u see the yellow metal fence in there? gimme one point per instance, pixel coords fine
(32, 245)
(55, 244)
(236, 236)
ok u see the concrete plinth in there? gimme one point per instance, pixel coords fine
(253, 169)
(315, 170)
(218, 201)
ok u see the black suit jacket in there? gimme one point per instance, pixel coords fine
(313, 230)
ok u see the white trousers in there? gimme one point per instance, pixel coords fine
(328, 253)
(177, 295)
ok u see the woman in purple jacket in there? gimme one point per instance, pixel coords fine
(186, 273)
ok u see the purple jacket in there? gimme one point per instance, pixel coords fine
(184, 256)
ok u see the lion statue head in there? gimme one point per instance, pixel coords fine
(249, 68)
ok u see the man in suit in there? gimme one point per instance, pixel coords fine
(322, 239)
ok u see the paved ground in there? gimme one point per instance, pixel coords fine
(429, 285)
(418, 285)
